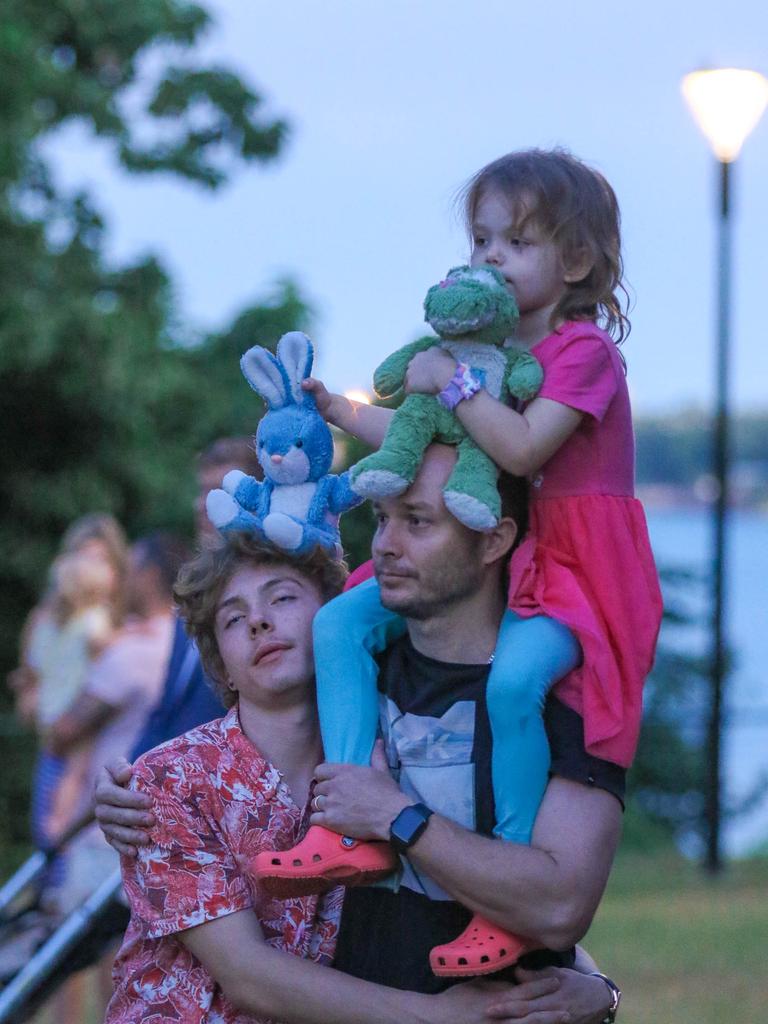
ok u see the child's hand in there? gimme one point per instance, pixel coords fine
(429, 372)
(324, 399)
(368, 422)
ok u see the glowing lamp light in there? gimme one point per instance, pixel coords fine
(356, 395)
(727, 104)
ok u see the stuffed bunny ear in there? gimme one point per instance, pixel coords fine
(265, 375)
(295, 353)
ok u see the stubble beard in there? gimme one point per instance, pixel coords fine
(445, 589)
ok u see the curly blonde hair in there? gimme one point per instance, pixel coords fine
(201, 581)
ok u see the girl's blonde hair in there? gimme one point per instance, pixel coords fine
(99, 526)
(80, 581)
(577, 209)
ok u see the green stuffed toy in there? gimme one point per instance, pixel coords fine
(473, 313)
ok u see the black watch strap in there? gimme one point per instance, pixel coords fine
(408, 826)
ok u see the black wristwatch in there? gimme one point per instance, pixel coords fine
(408, 826)
(615, 991)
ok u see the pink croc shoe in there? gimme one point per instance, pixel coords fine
(482, 948)
(321, 860)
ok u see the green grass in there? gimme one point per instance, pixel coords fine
(685, 948)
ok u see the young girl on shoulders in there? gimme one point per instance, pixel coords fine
(550, 225)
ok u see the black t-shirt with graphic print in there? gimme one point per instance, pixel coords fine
(434, 713)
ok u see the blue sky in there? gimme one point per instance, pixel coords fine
(393, 106)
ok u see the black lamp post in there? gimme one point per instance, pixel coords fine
(727, 104)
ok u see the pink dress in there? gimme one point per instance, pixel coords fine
(587, 560)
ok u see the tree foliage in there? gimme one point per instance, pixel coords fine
(668, 781)
(87, 59)
(105, 399)
(104, 402)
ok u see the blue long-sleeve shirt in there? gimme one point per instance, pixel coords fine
(187, 700)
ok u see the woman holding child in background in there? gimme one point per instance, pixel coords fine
(71, 626)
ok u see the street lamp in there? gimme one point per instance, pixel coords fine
(726, 103)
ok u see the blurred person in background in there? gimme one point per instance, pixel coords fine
(187, 698)
(73, 620)
(105, 719)
(124, 683)
(72, 623)
(79, 629)
(99, 537)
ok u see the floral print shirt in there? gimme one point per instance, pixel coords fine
(218, 803)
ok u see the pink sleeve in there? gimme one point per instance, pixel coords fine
(109, 677)
(579, 372)
(359, 575)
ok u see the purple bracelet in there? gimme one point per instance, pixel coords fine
(462, 385)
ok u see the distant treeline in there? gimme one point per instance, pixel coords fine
(676, 450)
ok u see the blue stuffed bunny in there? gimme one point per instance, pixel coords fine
(298, 505)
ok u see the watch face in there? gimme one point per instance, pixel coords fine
(408, 826)
(406, 823)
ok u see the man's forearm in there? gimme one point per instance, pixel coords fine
(584, 963)
(549, 890)
(519, 887)
(266, 982)
(303, 993)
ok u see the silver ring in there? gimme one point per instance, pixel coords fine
(316, 804)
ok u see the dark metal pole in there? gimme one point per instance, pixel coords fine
(720, 454)
(55, 950)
